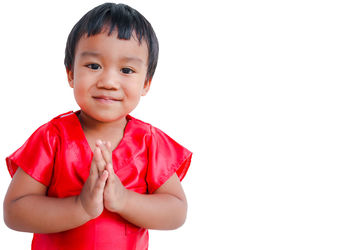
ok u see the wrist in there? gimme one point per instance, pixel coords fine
(81, 211)
(122, 203)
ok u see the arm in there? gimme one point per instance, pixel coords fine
(166, 208)
(27, 208)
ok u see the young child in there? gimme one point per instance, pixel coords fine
(98, 178)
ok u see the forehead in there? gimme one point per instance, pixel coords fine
(110, 46)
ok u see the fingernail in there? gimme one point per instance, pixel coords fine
(99, 142)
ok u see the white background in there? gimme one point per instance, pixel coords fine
(258, 90)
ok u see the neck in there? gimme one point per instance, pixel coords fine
(91, 125)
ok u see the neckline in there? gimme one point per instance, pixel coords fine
(81, 131)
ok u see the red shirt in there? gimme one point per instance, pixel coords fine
(58, 155)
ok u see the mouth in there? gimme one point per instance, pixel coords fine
(106, 99)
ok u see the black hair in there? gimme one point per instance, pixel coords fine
(126, 19)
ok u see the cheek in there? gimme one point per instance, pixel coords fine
(133, 95)
(80, 92)
(131, 90)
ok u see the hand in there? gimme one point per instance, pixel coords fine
(115, 193)
(91, 196)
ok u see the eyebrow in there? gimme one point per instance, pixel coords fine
(134, 59)
(89, 53)
(126, 58)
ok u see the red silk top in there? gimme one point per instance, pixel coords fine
(58, 155)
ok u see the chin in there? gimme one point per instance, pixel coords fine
(109, 118)
(104, 116)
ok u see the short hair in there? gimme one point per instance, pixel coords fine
(126, 19)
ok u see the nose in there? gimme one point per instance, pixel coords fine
(109, 80)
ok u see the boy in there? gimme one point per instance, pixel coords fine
(96, 178)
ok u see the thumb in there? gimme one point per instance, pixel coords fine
(110, 169)
(101, 182)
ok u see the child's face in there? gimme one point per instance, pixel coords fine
(109, 76)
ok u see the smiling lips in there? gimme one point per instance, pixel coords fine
(104, 98)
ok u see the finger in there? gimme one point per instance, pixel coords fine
(99, 161)
(106, 153)
(99, 143)
(109, 168)
(93, 168)
(101, 182)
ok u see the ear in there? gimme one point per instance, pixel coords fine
(70, 76)
(146, 87)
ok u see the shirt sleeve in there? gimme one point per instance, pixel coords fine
(36, 155)
(165, 157)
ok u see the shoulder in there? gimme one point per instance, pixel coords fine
(63, 118)
(155, 136)
(144, 128)
(140, 131)
(137, 123)
(66, 123)
(39, 148)
(54, 128)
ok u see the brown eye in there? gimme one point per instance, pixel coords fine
(127, 70)
(93, 66)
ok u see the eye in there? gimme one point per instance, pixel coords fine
(93, 66)
(127, 70)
